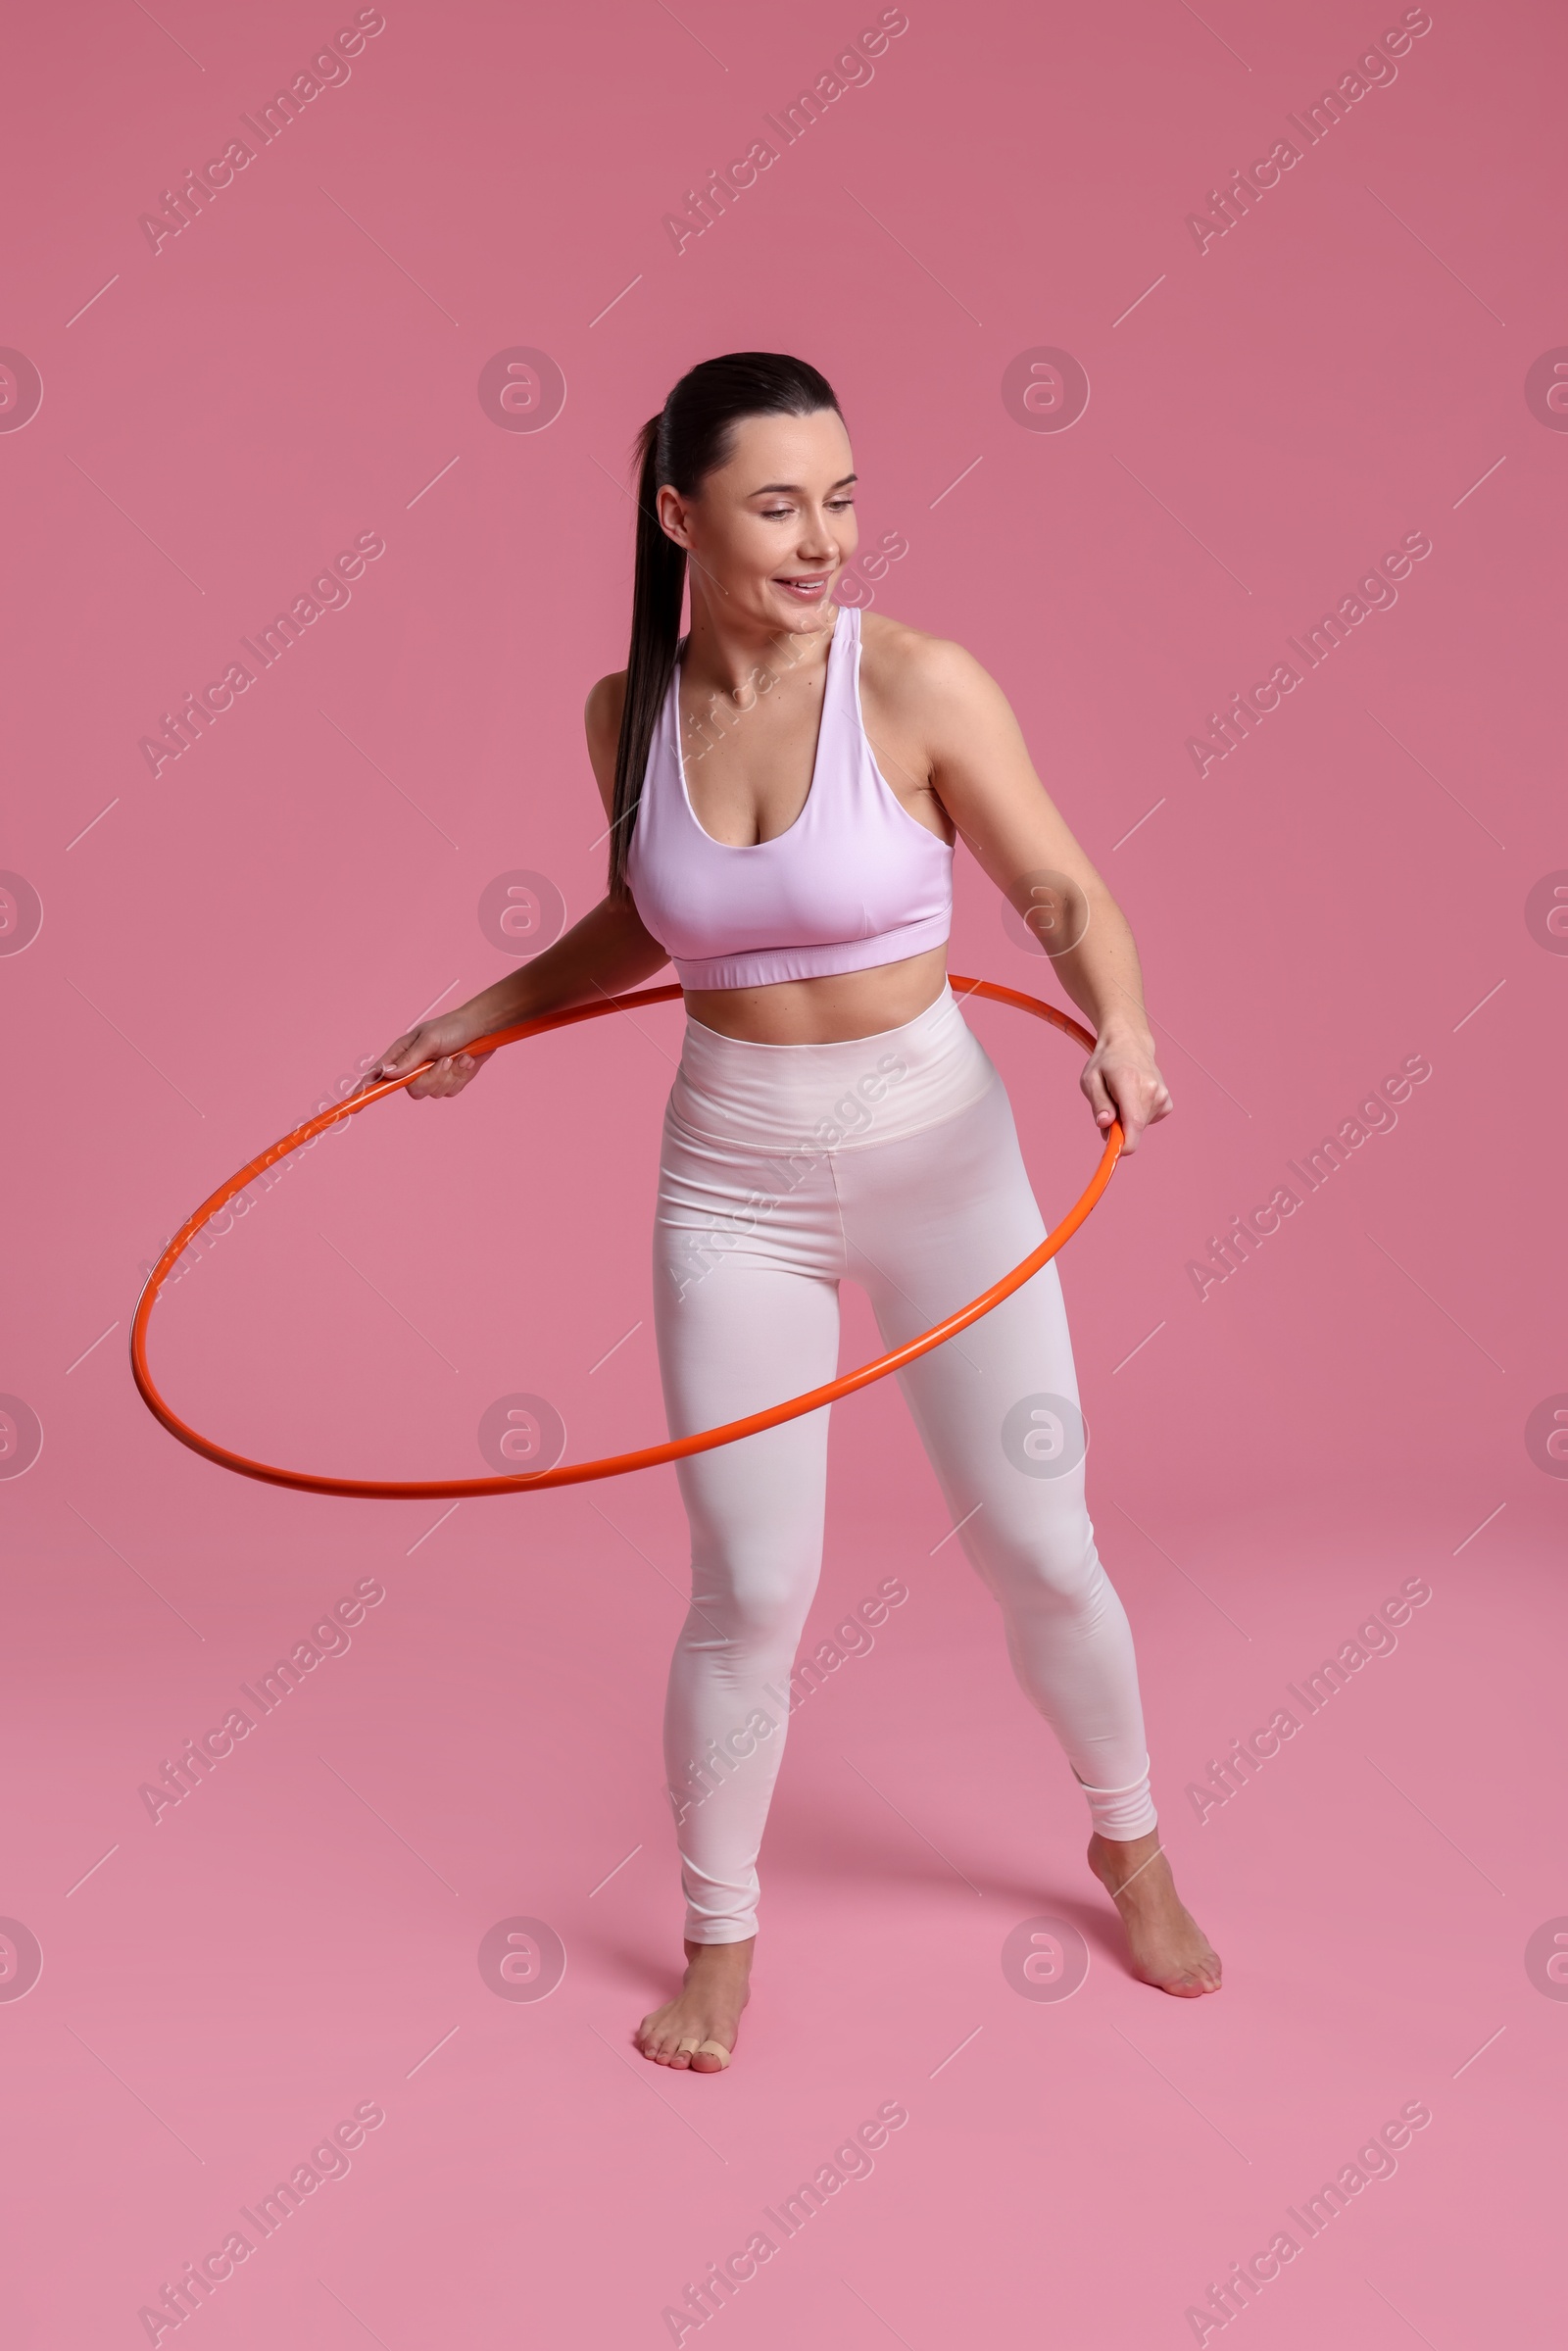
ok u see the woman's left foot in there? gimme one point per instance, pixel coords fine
(1169, 1948)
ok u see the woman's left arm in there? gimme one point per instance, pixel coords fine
(982, 775)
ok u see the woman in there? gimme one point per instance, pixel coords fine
(783, 787)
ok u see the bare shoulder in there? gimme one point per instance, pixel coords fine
(601, 719)
(600, 715)
(933, 681)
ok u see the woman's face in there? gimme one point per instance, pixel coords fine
(768, 532)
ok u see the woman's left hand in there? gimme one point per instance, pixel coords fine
(1122, 1080)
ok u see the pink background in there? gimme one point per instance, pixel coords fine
(300, 365)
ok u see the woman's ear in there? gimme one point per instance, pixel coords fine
(671, 509)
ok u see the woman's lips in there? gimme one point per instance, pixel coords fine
(808, 589)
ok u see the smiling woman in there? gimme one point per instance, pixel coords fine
(798, 874)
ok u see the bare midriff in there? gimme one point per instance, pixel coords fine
(830, 1011)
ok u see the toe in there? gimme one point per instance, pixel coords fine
(1192, 1983)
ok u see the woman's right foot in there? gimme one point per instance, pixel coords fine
(1169, 1948)
(697, 2030)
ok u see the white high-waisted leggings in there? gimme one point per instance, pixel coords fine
(891, 1159)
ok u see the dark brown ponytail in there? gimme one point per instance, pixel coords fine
(690, 437)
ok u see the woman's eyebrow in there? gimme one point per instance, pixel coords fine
(766, 487)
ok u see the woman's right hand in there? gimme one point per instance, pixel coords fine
(440, 1042)
(607, 951)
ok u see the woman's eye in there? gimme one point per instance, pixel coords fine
(781, 514)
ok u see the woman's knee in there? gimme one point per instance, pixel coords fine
(757, 1590)
(1052, 1571)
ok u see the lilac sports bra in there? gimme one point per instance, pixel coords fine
(856, 880)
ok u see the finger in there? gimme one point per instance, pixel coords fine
(1153, 1102)
(1101, 1099)
(1141, 1111)
(452, 1073)
(1111, 1106)
(422, 1051)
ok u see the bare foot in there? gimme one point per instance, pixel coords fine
(1169, 1949)
(697, 2030)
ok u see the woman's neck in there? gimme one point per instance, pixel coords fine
(725, 652)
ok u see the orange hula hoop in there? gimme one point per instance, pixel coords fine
(615, 1466)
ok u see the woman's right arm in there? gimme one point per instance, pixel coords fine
(604, 953)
